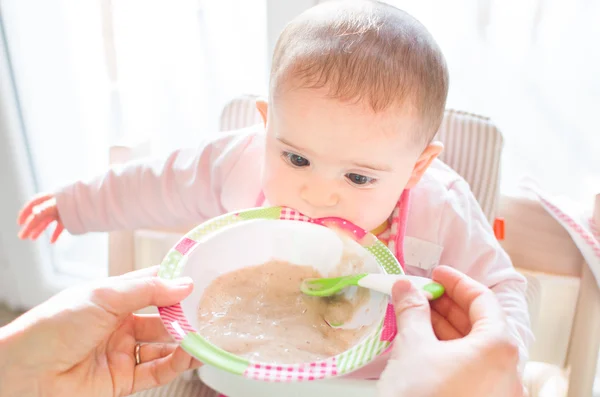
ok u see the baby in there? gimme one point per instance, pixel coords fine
(357, 93)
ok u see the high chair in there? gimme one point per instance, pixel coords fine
(562, 295)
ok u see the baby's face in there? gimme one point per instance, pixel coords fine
(329, 158)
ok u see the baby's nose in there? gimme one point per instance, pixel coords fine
(319, 195)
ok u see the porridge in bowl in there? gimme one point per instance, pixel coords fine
(258, 312)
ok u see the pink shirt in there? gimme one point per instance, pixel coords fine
(445, 224)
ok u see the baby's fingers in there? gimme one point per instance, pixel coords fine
(36, 227)
(31, 223)
(28, 226)
(43, 225)
(57, 231)
(27, 210)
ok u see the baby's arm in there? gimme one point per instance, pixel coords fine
(179, 190)
(471, 247)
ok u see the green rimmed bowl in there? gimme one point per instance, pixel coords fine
(255, 236)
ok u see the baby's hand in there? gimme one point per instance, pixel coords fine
(37, 214)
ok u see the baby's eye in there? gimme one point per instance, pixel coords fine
(361, 180)
(296, 160)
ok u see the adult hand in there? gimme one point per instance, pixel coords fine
(482, 363)
(82, 341)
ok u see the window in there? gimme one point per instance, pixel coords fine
(531, 67)
(92, 74)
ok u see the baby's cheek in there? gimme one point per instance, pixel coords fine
(373, 207)
(277, 185)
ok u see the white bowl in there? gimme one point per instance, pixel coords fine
(253, 237)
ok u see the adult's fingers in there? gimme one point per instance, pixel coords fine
(140, 273)
(154, 351)
(149, 328)
(442, 328)
(122, 297)
(162, 370)
(471, 296)
(412, 314)
(452, 313)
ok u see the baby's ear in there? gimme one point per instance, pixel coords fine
(431, 152)
(262, 106)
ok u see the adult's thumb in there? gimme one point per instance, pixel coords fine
(413, 314)
(124, 296)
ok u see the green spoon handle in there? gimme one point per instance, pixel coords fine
(384, 282)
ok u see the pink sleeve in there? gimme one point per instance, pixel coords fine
(180, 190)
(471, 247)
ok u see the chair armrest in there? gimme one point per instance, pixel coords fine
(535, 241)
(585, 338)
(582, 356)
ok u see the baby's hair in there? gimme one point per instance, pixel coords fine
(365, 51)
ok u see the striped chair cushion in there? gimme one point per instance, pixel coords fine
(472, 148)
(472, 143)
(240, 113)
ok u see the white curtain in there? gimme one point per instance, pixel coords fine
(90, 74)
(55, 113)
(178, 62)
(532, 66)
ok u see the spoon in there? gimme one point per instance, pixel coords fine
(378, 282)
